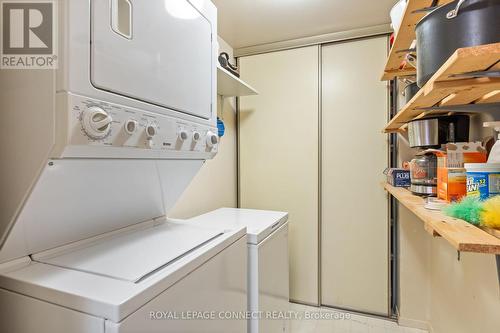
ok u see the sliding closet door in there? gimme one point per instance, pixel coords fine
(354, 223)
(279, 153)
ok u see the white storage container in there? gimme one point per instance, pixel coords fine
(397, 13)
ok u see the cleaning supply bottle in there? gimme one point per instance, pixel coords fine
(495, 151)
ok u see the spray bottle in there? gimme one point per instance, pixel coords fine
(495, 151)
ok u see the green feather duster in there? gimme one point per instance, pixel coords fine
(469, 209)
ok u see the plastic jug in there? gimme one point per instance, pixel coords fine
(495, 152)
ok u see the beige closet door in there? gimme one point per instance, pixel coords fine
(354, 227)
(279, 153)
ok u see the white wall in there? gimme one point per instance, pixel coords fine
(450, 295)
(215, 185)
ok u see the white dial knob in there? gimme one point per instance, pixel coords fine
(96, 122)
(212, 139)
(183, 135)
(150, 131)
(130, 126)
(196, 136)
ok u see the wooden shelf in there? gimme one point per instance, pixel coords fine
(461, 235)
(404, 38)
(229, 85)
(446, 89)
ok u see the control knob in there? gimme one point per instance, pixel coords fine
(183, 135)
(212, 139)
(131, 126)
(96, 122)
(150, 131)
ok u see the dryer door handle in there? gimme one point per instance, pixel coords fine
(121, 17)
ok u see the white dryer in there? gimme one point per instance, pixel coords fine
(104, 146)
(268, 269)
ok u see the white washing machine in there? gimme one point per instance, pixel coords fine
(268, 270)
(156, 277)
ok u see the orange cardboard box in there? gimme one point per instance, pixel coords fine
(451, 176)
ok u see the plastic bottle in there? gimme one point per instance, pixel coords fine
(495, 151)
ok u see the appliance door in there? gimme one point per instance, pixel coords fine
(155, 51)
(135, 255)
(272, 282)
(206, 301)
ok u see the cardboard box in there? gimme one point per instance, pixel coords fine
(451, 175)
(398, 177)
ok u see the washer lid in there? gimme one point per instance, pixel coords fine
(134, 255)
(259, 223)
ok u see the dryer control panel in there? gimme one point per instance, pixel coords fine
(94, 124)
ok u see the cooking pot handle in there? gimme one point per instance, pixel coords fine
(411, 60)
(407, 85)
(454, 13)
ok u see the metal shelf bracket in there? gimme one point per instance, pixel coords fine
(498, 267)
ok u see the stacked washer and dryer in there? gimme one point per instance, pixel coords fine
(103, 148)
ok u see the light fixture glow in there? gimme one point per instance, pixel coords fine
(184, 9)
